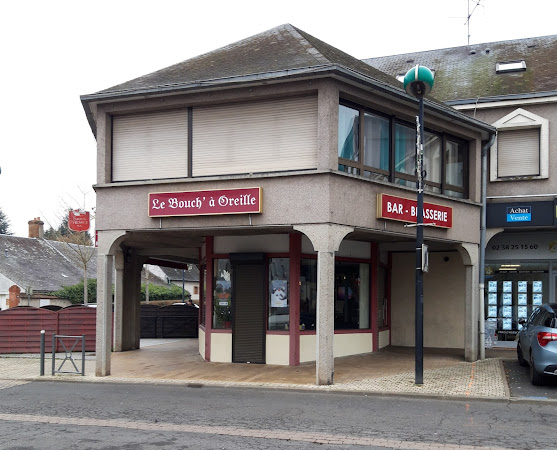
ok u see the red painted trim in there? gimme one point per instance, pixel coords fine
(349, 259)
(295, 257)
(222, 330)
(208, 296)
(389, 276)
(373, 275)
(278, 332)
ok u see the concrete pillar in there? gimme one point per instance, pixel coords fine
(131, 310)
(118, 300)
(470, 256)
(326, 239)
(104, 314)
(327, 126)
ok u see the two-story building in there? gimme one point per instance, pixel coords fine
(511, 85)
(285, 168)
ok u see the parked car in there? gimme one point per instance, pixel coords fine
(537, 343)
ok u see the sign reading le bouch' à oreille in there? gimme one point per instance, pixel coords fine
(405, 210)
(213, 202)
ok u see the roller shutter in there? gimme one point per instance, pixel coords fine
(150, 146)
(518, 152)
(255, 137)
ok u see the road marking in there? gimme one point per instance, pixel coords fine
(284, 435)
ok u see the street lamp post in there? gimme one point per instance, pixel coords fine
(418, 82)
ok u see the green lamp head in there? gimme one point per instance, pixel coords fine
(418, 81)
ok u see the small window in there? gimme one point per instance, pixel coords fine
(510, 66)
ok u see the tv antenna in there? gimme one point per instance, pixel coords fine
(476, 4)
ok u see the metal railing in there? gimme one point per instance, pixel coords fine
(68, 353)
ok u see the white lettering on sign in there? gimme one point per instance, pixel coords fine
(245, 199)
(158, 204)
(394, 207)
(175, 203)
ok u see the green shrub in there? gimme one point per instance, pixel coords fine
(74, 293)
(158, 292)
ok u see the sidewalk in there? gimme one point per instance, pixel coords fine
(389, 371)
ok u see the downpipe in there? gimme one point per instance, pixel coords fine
(483, 221)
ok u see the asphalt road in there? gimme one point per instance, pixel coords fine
(60, 415)
(518, 378)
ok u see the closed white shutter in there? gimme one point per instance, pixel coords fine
(150, 146)
(255, 137)
(518, 152)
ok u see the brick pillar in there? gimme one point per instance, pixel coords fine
(13, 299)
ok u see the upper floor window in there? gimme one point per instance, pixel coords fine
(383, 148)
(521, 149)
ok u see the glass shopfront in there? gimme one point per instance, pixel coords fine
(512, 291)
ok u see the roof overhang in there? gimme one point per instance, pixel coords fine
(328, 70)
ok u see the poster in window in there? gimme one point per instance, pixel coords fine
(492, 311)
(522, 286)
(507, 286)
(491, 299)
(537, 299)
(507, 324)
(537, 286)
(279, 296)
(507, 299)
(522, 299)
(522, 312)
(492, 286)
(507, 311)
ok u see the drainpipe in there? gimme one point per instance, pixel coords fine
(485, 150)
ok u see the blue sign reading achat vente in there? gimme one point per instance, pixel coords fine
(519, 214)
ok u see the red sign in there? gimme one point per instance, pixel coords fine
(405, 210)
(197, 203)
(78, 220)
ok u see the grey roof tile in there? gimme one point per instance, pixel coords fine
(468, 72)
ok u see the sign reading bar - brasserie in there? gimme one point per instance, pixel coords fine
(405, 210)
(197, 203)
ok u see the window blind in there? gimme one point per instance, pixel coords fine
(518, 152)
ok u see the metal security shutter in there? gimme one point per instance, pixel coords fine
(255, 137)
(248, 338)
(518, 152)
(150, 146)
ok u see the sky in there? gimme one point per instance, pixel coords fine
(54, 51)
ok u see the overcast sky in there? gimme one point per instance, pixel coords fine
(55, 51)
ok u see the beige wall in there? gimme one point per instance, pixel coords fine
(444, 301)
(201, 342)
(221, 347)
(277, 349)
(344, 345)
(384, 338)
(548, 186)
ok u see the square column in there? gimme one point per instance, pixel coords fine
(326, 239)
(118, 300)
(104, 314)
(470, 257)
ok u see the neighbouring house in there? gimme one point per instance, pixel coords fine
(284, 168)
(511, 85)
(32, 268)
(186, 278)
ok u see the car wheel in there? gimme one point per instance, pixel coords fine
(535, 377)
(520, 356)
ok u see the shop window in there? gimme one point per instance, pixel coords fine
(351, 296)
(308, 294)
(368, 147)
(202, 302)
(382, 302)
(222, 294)
(513, 291)
(279, 316)
(521, 148)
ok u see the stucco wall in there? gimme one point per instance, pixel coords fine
(547, 111)
(344, 345)
(277, 349)
(201, 342)
(444, 301)
(384, 338)
(221, 347)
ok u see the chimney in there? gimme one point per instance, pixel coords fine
(36, 228)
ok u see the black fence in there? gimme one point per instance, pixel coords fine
(173, 321)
